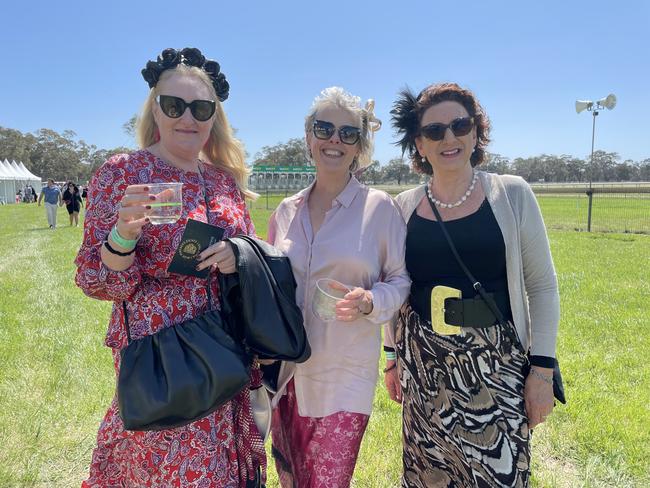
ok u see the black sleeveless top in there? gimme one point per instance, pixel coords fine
(430, 262)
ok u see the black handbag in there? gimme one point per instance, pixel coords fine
(180, 374)
(272, 323)
(558, 385)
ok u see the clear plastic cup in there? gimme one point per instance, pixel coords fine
(168, 206)
(325, 298)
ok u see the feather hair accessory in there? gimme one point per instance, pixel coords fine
(405, 120)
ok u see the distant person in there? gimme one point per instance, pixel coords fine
(336, 228)
(52, 196)
(84, 195)
(73, 203)
(468, 407)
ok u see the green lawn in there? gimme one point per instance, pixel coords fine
(57, 377)
(613, 212)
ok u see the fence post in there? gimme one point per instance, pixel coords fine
(590, 194)
(267, 199)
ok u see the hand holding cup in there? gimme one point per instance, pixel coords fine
(355, 303)
(133, 210)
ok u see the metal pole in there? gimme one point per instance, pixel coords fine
(590, 192)
(591, 162)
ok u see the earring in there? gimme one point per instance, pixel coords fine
(424, 160)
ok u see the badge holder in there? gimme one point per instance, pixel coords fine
(438, 296)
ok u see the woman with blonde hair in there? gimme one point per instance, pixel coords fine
(184, 137)
(339, 229)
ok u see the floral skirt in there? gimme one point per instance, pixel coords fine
(315, 452)
(464, 421)
(222, 450)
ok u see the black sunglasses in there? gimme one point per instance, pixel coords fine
(174, 107)
(325, 130)
(459, 127)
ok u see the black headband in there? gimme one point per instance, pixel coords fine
(190, 56)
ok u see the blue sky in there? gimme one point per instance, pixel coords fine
(76, 65)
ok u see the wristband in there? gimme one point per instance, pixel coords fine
(391, 356)
(121, 241)
(112, 250)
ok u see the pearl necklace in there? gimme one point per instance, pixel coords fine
(459, 202)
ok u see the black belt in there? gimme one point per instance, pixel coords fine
(474, 312)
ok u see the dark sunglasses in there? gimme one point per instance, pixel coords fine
(459, 127)
(325, 130)
(174, 107)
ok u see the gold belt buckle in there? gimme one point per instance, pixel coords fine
(438, 296)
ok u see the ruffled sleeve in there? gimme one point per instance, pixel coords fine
(104, 194)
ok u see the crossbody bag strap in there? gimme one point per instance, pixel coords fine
(207, 217)
(489, 301)
(126, 322)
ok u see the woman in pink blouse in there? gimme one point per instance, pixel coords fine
(336, 228)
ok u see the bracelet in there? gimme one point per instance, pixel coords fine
(391, 355)
(112, 250)
(546, 379)
(121, 241)
(390, 368)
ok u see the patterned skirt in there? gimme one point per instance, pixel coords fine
(315, 452)
(464, 420)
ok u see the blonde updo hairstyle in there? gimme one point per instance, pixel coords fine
(337, 97)
(222, 149)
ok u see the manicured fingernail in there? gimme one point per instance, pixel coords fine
(146, 188)
(147, 220)
(198, 267)
(148, 207)
(152, 197)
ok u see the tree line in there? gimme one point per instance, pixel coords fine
(63, 157)
(50, 154)
(606, 166)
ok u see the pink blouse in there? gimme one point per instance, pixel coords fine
(360, 243)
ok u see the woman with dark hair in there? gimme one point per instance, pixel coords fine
(73, 202)
(185, 138)
(468, 410)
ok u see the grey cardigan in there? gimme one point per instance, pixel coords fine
(532, 282)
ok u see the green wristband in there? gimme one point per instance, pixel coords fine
(121, 241)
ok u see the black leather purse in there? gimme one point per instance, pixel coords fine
(272, 323)
(558, 385)
(180, 374)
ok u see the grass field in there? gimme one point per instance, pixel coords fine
(57, 377)
(613, 212)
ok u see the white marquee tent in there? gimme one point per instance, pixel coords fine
(13, 177)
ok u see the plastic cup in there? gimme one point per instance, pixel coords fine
(325, 298)
(168, 206)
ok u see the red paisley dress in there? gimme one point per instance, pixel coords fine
(223, 449)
